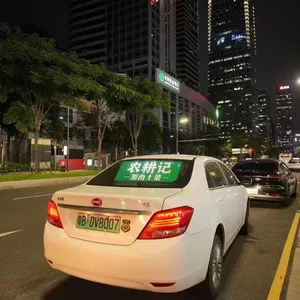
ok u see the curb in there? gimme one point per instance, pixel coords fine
(14, 185)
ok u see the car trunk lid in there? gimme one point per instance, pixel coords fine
(110, 215)
(259, 178)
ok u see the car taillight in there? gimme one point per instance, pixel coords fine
(276, 177)
(168, 223)
(53, 215)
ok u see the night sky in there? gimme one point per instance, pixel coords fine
(277, 29)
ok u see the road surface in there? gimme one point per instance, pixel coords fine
(250, 265)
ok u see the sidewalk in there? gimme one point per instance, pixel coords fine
(30, 180)
(293, 291)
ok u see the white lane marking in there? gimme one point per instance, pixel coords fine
(10, 232)
(35, 196)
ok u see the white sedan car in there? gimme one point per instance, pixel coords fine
(294, 164)
(160, 223)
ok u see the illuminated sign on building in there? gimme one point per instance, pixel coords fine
(167, 80)
(238, 37)
(234, 37)
(284, 87)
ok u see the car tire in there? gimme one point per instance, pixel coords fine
(212, 283)
(295, 192)
(287, 198)
(245, 229)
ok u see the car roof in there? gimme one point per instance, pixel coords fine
(172, 156)
(259, 160)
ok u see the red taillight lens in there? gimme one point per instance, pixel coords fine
(168, 223)
(53, 215)
(276, 177)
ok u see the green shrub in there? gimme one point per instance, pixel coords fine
(15, 167)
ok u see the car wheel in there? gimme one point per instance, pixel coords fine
(295, 192)
(245, 229)
(287, 198)
(213, 279)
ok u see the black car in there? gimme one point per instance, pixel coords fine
(267, 180)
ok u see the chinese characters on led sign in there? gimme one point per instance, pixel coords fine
(149, 171)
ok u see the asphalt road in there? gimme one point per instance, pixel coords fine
(24, 275)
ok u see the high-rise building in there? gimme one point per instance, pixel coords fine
(231, 81)
(87, 29)
(284, 119)
(188, 43)
(264, 117)
(138, 38)
(130, 36)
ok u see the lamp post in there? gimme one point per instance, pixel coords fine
(68, 137)
(180, 121)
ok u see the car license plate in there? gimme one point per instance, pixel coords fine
(252, 191)
(98, 222)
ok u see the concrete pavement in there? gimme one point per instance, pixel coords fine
(250, 265)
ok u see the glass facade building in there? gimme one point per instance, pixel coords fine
(130, 36)
(187, 43)
(139, 37)
(284, 119)
(264, 117)
(88, 29)
(231, 82)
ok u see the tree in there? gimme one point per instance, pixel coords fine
(118, 137)
(105, 110)
(226, 149)
(138, 97)
(9, 129)
(151, 137)
(53, 126)
(42, 77)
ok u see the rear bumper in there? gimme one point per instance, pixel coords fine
(295, 168)
(272, 198)
(274, 193)
(177, 260)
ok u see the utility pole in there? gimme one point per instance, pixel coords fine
(68, 139)
(177, 124)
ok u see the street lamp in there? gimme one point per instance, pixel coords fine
(68, 137)
(180, 121)
(298, 81)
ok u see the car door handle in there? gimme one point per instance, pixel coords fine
(220, 200)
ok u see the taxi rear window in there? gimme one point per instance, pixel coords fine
(158, 173)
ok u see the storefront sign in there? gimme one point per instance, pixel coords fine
(168, 81)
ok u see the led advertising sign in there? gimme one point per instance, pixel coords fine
(149, 171)
(167, 81)
(228, 39)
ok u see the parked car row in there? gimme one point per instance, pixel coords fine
(294, 164)
(160, 223)
(267, 180)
